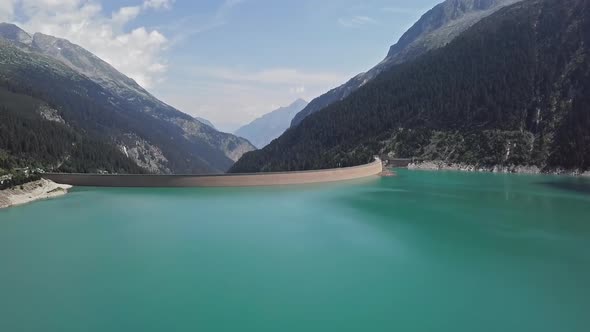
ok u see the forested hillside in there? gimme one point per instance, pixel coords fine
(433, 30)
(33, 135)
(104, 106)
(512, 90)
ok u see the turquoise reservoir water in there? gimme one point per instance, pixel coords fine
(418, 252)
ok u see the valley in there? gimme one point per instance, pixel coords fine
(446, 188)
(133, 131)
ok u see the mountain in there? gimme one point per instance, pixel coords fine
(96, 100)
(14, 33)
(205, 121)
(263, 130)
(33, 134)
(435, 29)
(512, 90)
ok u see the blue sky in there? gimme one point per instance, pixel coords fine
(229, 61)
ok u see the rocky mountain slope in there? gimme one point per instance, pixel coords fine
(435, 29)
(514, 89)
(14, 33)
(205, 121)
(33, 134)
(95, 99)
(263, 130)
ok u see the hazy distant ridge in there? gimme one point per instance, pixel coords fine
(263, 130)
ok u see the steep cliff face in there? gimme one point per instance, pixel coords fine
(435, 29)
(127, 110)
(512, 90)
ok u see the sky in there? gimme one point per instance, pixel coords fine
(229, 61)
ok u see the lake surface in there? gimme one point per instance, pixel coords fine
(419, 252)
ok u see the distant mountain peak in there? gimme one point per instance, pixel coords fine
(15, 34)
(442, 15)
(298, 101)
(266, 128)
(46, 43)
(85, 62)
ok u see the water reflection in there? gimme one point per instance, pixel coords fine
(577, 185)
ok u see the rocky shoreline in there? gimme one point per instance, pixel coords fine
(32, 191)
(513, 169)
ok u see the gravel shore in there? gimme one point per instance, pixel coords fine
(32, 191)
(444, 166)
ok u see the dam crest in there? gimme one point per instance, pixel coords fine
(224, 180)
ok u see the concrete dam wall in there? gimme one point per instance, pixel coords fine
(225, 180)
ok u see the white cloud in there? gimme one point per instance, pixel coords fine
(158, 4)
(286, 76)
(228, 4)
(192, 25)
(356, 21)
(298, 89)
(137, 53)
(6, 9)
(126, 14)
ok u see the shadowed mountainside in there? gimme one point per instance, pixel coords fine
(512, 90)
(95, 100)
(435, 29)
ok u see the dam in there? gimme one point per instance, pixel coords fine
(223, 180)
